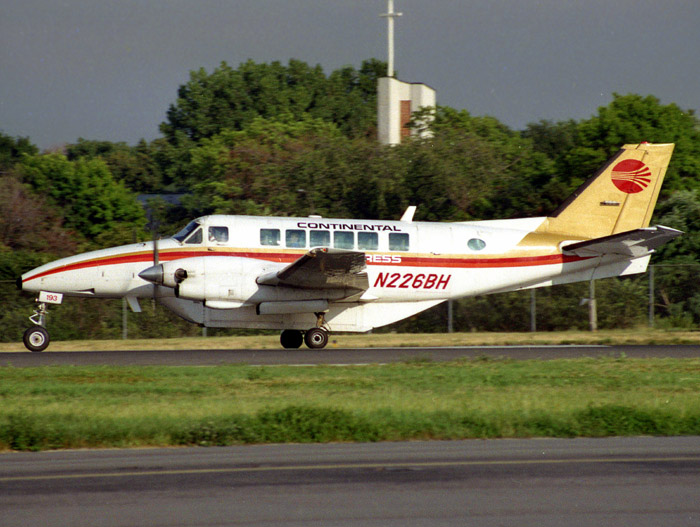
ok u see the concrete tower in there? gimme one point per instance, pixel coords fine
(397, 100)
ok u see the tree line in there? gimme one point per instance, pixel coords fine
(290, 140)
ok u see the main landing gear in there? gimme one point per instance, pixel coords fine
(314, 338)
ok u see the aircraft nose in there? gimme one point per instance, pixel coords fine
(153, 274)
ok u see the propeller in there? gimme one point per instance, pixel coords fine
(153, 223)
(156, 275)
(155, 245)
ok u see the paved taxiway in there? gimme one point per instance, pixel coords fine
(542, 482)
(336, 356)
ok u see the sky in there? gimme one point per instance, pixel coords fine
(109, 69)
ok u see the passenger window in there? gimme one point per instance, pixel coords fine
(218, 234)
(295, 238)
(320, 239)
(195, 238)
(398, 241)
(343, 240)
(270, 237)
(367, 241)
(476, 244)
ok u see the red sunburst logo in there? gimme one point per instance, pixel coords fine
(631, 176)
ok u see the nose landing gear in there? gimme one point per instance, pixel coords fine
(37, 338)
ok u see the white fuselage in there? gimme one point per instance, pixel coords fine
(411, 266)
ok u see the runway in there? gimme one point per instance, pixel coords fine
(337, 356)
(542, 482)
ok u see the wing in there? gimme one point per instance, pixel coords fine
(322, 268)
(636, 243)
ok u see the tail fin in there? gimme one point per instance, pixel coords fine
(620, 197)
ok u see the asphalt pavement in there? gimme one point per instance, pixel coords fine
(337, 356)
(620, 482)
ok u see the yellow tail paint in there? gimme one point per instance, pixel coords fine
(620, 197)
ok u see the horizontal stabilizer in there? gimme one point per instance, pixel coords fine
(322, 268)
(635, 243)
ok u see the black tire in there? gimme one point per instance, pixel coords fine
(36, 339)
(291, 339)
(316, 338)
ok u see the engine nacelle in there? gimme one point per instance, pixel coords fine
(229, 282)
(222, 280)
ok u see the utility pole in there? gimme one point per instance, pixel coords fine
(651, 296)
(592, 308)
(390, 15)
(450, 315)
(125, 331)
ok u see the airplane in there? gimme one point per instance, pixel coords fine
(308, 276)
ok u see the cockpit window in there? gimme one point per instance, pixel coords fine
(218, 234)
(195, 238)
(184, 233)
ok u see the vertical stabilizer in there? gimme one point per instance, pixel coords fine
(620, 197)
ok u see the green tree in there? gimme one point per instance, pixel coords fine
(631, 119)
(349, 178)
(242, 172)
(94, 204)
(136, 166)
(678, 263)
(28, 223)
(12, 149)
(349, 99)
(296, 168)
(231, 98)
(477, 168)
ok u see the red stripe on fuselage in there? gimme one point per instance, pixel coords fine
(164, 256)
(406, 261)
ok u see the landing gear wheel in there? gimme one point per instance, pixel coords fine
(36, 339)
(316, 338)
(291, 338)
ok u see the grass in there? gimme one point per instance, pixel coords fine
(374, 340)
(78, 407)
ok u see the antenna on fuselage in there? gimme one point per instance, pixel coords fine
(408, 215)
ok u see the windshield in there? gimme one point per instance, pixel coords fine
(184, 233)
